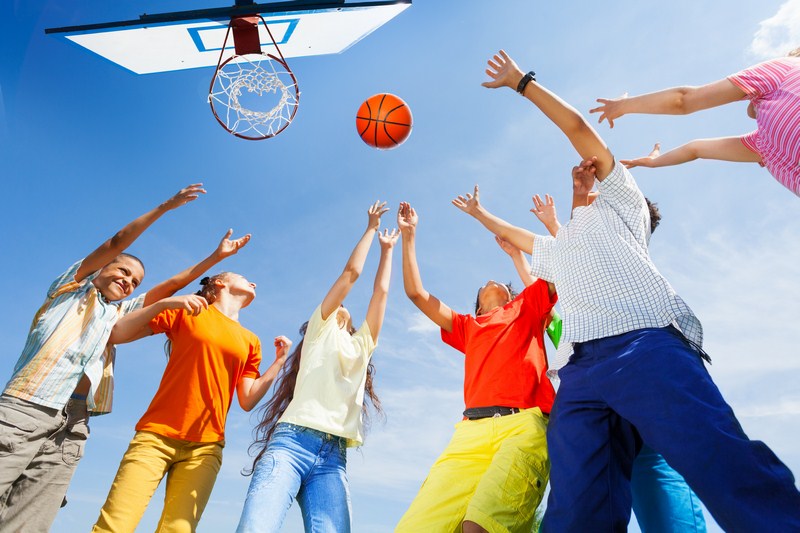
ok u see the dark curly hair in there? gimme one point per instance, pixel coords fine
(655, 214)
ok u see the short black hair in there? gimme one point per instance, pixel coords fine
(130, 256)
(655, 214)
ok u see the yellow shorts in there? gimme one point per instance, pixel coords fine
(493, 473)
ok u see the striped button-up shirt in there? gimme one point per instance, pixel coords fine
(774, 89)
(606, 282)
(68, 338)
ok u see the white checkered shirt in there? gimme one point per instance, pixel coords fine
(599, 262)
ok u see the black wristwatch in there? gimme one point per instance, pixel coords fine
(526, 79)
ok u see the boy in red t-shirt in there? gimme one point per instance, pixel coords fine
(483, 478)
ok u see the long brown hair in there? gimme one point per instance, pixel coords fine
(208, 290)
(284, 393)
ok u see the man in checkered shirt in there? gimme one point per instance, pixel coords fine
(637, 371)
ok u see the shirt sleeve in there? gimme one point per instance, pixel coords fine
(253, 360)
(69, 277)
(457, 338)
(762, 79)
(537, 297)
(316, 324)
(132, 305)
(752, 141)
(620, 191)
(542, 257)
(165, 320)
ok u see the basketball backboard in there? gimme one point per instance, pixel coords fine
(194, 39)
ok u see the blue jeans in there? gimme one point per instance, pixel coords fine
(662, 501)
(303, 463)
(650, 385)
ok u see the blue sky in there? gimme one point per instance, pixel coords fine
(86, 146)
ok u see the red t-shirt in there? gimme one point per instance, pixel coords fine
(210, 354)
(505, 360)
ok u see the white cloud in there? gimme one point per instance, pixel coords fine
(419, 323)
(779, 34)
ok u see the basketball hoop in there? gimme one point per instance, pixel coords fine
(253, 95)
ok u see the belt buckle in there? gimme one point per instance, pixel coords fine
(496, 415)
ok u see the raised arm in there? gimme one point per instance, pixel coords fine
(505, 73)
(430, 306)
(674, 101)
(117, 244)
(380, 290)
(249, 391)
(546, 213)
(355, 264)
(723, 149)
(471, 205)
(520, 263)
(225, 248)
(136, 324)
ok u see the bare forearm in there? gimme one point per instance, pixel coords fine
(412, 281)
(136, 324)
(579, 132)
(672, 101)
(179, 281)
(384, 273)
(258, 387)
(355, 263)
(519, 237)
(523, 269)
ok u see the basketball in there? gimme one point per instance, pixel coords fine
(384, 121)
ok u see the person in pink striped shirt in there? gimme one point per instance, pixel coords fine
(773, 88)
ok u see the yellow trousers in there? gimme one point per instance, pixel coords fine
(493, 473)
(190, 468)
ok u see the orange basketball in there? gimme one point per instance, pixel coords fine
(383, 121)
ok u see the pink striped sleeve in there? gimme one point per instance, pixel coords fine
(751, 142)
(761, 79)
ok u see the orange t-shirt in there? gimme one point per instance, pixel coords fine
(505, 363)
(210, 354)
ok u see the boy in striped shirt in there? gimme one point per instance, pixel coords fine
(773, 88)
(65, 372)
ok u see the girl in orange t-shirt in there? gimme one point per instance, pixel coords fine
(182, 433)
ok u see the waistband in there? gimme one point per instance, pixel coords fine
(495, 411)
(317, 433)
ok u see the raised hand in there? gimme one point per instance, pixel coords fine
(282, 347)
(583, 177)
(375, 212)
(407, 218)
(228, 247)
(545, 211)
(388, 239)
(469, 203)
(611, 109)
(647, 161)
(507, 247)
(184, 196)
(503, 71)
(191, 303)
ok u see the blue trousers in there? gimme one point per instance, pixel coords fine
(662, 500)
(304, 463)
(650, 385)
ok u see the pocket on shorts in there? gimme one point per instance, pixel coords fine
(526, 482)
(74, 443)
(15, 429)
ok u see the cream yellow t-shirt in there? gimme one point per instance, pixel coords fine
(329, 392)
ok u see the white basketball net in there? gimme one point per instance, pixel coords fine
(254, 96)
